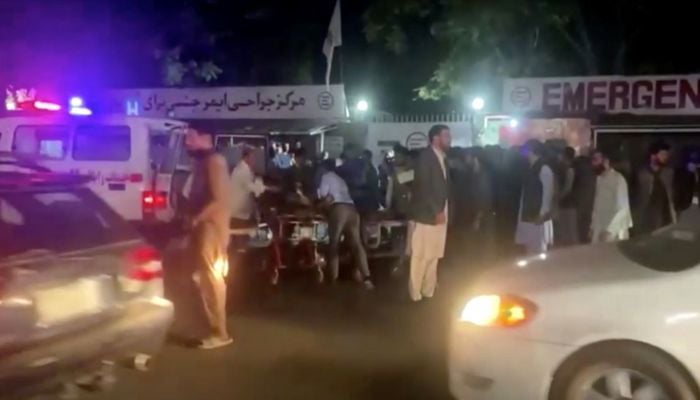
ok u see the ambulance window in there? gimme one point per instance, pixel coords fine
(41, 140)
(162, 152)
(184, 159)
(102, 143)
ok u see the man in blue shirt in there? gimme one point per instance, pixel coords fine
(342, 219)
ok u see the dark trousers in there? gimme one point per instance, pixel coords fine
(343, 219)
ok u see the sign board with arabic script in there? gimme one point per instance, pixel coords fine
(263, 102)
(652, 95)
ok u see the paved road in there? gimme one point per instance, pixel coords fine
(301, 341)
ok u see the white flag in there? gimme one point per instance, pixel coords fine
(333, 40)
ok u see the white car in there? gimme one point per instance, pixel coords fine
(612, 321)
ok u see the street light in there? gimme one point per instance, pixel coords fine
(514, 123)
(362, 106)
(478, 104)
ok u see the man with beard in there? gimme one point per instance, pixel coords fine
(612, 218)
(210, 211)
(535, 230)
(655, 205)
(429, 206)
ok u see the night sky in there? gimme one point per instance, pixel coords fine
(90, 44)
(87, 44)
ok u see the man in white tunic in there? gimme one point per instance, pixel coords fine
(535, 230)
(429, 205)
(612, 217)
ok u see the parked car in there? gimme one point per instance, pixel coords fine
(611, 321)
(80, 291)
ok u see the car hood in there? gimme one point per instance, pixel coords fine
(577, 266)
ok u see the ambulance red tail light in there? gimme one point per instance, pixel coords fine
(152, 201)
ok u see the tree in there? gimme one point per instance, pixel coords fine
(183, 43)
(480, 41)
(202, 42)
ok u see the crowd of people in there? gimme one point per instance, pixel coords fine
(527, 199)
(546, 196)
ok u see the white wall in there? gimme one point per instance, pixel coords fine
(382, 135)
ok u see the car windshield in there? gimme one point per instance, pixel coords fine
(57, 221)
(672, 249)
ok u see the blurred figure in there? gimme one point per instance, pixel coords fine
(302, 183)
(565, 222)
(245, 188)
(398, 196)
(481, 202)
(370, 197)
(687, 182)
(584, 193)
(343, 220)
(385, 171)
(429, 206)
(508, 193)
(209, 198)
(282, 158)
(535, 230)
(612, 217)
(353, 171)
(655, 207)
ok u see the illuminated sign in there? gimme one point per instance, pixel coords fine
(661, 95)
(262, 102)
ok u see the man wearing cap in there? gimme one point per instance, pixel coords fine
(535, 230)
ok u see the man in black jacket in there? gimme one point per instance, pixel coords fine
(429, 208)
(535, 230)
(655, 206)
(687, 182)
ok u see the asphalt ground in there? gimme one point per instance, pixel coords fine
(301, 340)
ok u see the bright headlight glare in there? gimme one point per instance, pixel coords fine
(482, 310)
(495, 310)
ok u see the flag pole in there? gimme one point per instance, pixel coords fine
(340, 48)
(334, 39)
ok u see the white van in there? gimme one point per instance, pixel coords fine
(138, 164)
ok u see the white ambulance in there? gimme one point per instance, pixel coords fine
(138, 164)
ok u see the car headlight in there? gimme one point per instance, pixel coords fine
(496, 310)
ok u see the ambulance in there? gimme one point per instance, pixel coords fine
(138, 165)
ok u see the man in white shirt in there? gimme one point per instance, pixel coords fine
(246, 187)
(343, 219)
(612, 217)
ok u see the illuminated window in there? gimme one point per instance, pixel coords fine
(41, 140)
